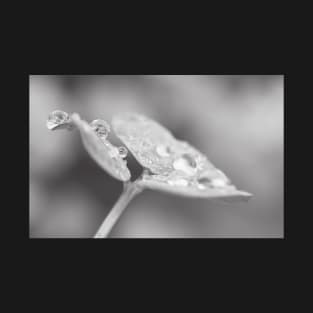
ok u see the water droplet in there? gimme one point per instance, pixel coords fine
(163, 150)
(204, 180)
(178, 182)
(219, 183)
(102, 128)
(202, 187)
(122, 152)
(191, 161)
(204, 183)
(57, 118)
(185, 163)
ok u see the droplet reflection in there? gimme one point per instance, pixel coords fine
(57, 118)
(122, 152)
(163, 150)
(102, 128)
(186, 163)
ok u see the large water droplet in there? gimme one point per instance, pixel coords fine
(102, 128)
(122, 152)
(57, 118)
(186, 163)
(163, 150)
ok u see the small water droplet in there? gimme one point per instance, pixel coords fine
(202, 187)
(102, 128)
(186, 163)
(178, 182)
(219, 183)
(57, 118)
(122, 152)
(204, 183)
(204, 180)
(190, 160)
(163, 150)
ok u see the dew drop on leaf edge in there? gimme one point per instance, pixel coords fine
(57, 118)
(122, 152)
(101, 127)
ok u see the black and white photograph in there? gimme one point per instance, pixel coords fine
(156, 156)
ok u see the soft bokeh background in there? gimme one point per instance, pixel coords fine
(237, 121)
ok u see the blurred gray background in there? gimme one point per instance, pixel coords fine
(237, 121)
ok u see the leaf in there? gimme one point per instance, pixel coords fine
(174, 166)
(183, 187)
(102, 151)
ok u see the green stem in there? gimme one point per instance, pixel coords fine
(131, 189)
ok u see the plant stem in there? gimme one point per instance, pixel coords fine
(131, 189)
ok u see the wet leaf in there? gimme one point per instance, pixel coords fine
(173, 165)
(101, 150)
(183, 187)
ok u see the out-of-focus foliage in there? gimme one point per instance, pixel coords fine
(236, 121)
